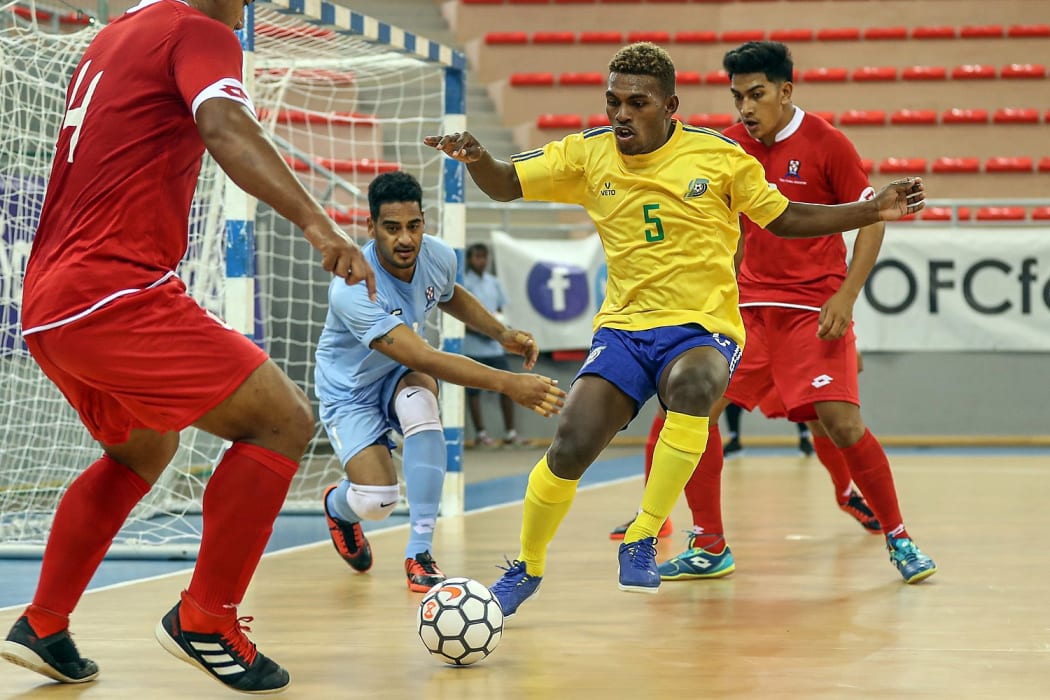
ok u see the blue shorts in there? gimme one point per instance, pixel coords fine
(364, 419)
(634, 360)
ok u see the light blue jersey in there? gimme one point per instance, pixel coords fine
(349, 375)
(488, 290)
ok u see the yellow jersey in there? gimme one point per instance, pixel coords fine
(668, 221)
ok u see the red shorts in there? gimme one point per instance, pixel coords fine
(785, 365)
(154, 359)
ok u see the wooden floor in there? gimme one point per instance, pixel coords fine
(814, 610)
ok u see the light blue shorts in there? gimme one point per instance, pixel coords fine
(364, 418)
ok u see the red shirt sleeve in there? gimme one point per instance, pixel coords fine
(206, 60)
(845, 172)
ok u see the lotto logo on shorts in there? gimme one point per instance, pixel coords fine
(822, 380)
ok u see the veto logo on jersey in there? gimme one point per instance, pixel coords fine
(697, 187)
(821, 381)
(608, 190)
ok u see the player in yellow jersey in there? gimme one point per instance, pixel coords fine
(665, 198)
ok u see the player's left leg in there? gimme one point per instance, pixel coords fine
(650, 446)
(870, 469)
(849, 500)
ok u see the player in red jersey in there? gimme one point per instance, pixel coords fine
(108, 320)
(797, 301)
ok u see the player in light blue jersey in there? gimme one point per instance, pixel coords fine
(375, 373)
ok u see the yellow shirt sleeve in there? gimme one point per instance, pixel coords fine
(752, 195)
(554, 173)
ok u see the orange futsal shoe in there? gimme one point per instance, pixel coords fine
(423, 573)
(619, 532)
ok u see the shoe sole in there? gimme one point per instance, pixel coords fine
(25, 657)
(921, 576)
(651, 590)
(175, 649)
(698, 577)
(535, 594)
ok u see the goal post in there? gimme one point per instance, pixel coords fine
(344, 97)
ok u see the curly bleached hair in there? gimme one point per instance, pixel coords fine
(645, 58)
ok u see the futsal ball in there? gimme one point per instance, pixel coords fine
(459, 621)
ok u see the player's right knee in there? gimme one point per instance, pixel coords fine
(373, 502)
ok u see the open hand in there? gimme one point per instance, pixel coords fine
(537, 393)
(901, 198)
(521, 343)
(460, 146)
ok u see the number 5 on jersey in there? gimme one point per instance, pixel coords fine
(652, 234)
(75, 115)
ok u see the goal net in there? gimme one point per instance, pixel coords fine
(340, 108)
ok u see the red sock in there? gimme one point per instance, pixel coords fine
(703, 492)
(241, 502)
(650, 444)
(89, 516)
(871, 472)
(831, 457)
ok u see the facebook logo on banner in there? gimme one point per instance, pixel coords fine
(558, 291)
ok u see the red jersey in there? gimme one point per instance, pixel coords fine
(115, 218)
(813, 162)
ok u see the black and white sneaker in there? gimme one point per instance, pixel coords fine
(54, 656)
(229, 657)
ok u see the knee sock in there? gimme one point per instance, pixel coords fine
(89, 516)
(681, 443)
(547, 500)
(241, 502)
(703, 493)
(650, 443)
(870, 470)
(424, 465)
(832, 459)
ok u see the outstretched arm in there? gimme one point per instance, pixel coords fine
(496, 178)
(895, 201)
(533, 391)
(466, 307)
(241, 148)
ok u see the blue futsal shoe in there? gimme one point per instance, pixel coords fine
(638, 572)
(909, 559)
(697, 562)
(514, 587)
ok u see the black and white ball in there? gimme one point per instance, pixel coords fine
(459, 621)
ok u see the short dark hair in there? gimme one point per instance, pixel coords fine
(396, 186)
(769, 57)
(645, 58)
(476, 248)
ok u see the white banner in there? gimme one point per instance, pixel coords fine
(975, 289)
(957, 290)
(554, 287)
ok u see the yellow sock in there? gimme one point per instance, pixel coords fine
(547, 500)
(678, 449)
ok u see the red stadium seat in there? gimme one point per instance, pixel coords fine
(838, 34)
(1044, 164)
(827, 116)
(529, 2)
(957, 115)
(1001, 214)
(531, 79)
(695, 37)
(1023, 70)
(688, 77)
(574, 2)
(553, 38)
(1013, 115)
(656, 37)
(1018, 31)
(716, 77)
(495, 38)
(712, 121)
(947, 164)
(885, 33)
(559, 121)
(739, 36)
(348, 216)
(902, 165)
(1041, 214)
(863, 117)
(933, 33)
(868, 74)
(588, 78)
(914, 116)
(594, 120)
(924, 73)
(791, 35)
(973, 72)
(363, 165)
(825, 75)
(601, 37)
(944, 214)
(984, 31)
(1008, 164)
(482, 2)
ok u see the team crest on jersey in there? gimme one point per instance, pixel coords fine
(697, 187)
(608, 190)
(793, 167)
